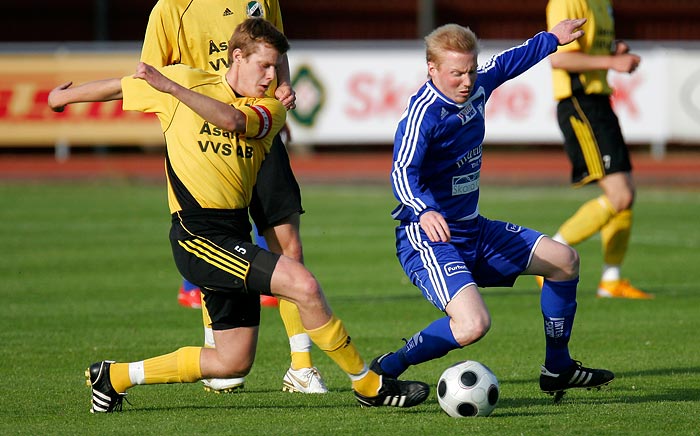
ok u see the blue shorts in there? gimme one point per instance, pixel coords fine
(482, 252)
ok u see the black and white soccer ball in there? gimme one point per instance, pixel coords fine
(468, 388)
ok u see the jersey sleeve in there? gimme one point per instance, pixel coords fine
(264, 119)
(515, 61)
(138, 95)
(157, 47)
(410, 146)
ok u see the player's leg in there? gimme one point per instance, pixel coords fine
(233, 357)
(578, 120)
(293, 282)
(217, 385)
(559, 265)
(615, 236)
(275, 209)
(439, 271)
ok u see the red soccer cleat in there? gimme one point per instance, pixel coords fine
(191, 299)
(268, 301)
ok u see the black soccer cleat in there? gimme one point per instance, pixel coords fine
(376, 364)
(104, 398)
(396, 393)
(576, 376)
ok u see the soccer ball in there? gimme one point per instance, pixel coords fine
(468, 388)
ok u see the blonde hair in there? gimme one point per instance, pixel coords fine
(450, 37)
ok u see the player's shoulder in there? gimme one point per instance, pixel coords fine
(189, 76)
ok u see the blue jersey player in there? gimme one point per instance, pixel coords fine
(445, 246)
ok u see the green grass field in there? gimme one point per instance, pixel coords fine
(87, 274)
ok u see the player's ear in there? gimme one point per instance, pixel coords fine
(237, 55)
(432, 68)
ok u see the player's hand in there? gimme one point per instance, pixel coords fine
(620, 47)
(286, 95)
(154, 78)
(625, 63)
(435, 226)
(55, 101)
(568, 30)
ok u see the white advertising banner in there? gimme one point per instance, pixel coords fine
(357, 96)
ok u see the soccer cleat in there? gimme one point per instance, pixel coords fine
(191, 299)
(576, 376)
(304, 380)
(104, 398)
(223, 385)
(621, 289)
(268, 301)
(376, 365)
(540, 281)
(396, 393)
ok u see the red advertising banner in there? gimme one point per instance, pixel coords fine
(26, 120)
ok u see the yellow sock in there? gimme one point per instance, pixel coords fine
(615, 236)
(368, 385)
(299, 342)
(333, 339)
(119, 377)
(181, 366)
(587, 221)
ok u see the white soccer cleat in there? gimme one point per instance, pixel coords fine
(223, 385)
(304, 380)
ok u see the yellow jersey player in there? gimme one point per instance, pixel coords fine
(592, 136)
(196, 32)
(218, 129)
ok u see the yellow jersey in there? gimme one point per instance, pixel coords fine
(207, 167)
(196, 32)
(599, 39)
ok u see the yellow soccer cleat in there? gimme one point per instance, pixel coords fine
(540, 281)
(621, 289)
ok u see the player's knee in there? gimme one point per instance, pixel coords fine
(469, 331)
(306, 289)
(570, 264)
(236, 370)
(233, 366)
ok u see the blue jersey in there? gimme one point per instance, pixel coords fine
(437, 147)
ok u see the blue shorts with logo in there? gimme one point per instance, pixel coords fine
(481, 251)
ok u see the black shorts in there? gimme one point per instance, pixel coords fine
(276, 194)
(212, 249)
(592, 138)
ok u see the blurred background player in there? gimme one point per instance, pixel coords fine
(446, 247)
(593, 138)
(196, 33)
(208, 197)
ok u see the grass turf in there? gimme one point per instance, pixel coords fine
(86, 275)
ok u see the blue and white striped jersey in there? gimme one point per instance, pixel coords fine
(437, 146)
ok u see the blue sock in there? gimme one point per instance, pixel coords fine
(558, 303)
(188, 286)
(432, 342)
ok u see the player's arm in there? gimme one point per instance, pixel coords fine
(99, 90)
(284, 92)
(214, 111)
(576, 61)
